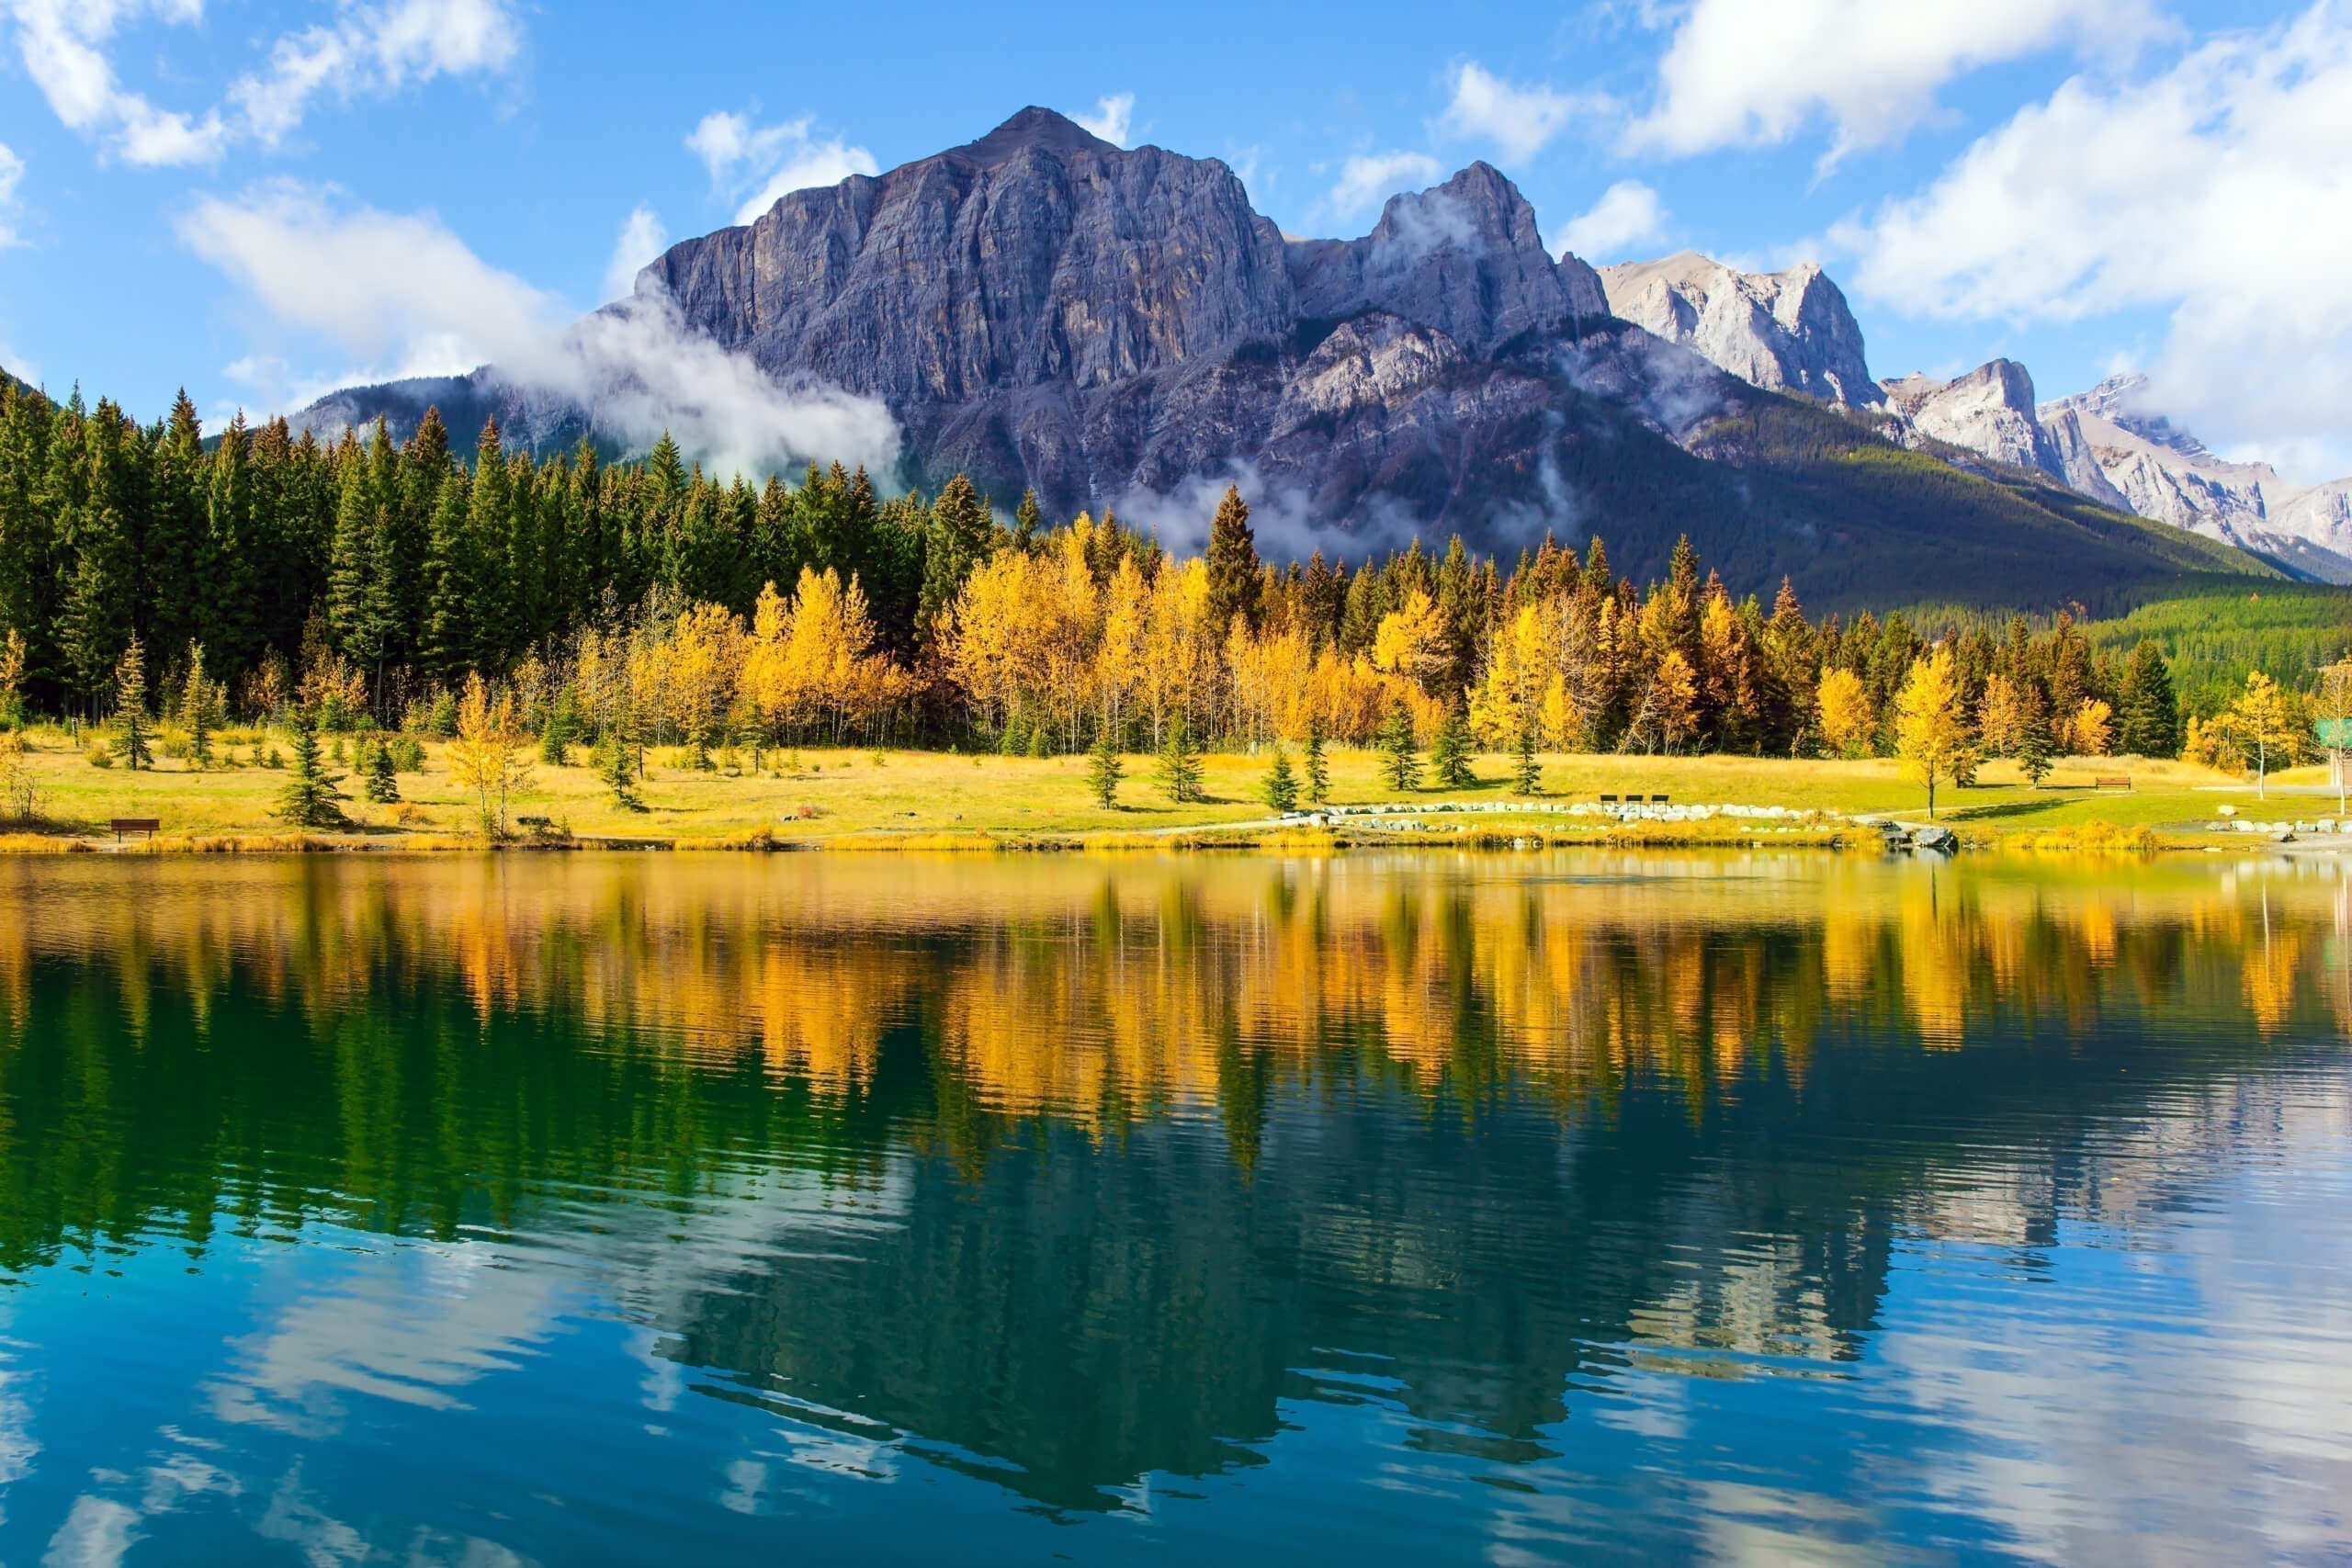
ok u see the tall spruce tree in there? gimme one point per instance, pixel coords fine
(958, 537)
(1279, 789)
(1318, 767)
(1104, 769)
(310, 798)
(1179, 773)
(1233, 564)
(2150, 716)
(1450, 753)
(131, 727)
(1527, 769)
(383, 784)
(1400, 764)
(2036, 744)
(198, 709)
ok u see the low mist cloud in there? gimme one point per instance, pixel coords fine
(1288, 524)
(401, 295)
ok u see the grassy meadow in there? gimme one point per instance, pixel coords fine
(857, 798)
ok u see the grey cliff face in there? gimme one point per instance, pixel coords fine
(1782, 331)
(1989, 411)
(1117, 326)
(1038, 256)
(1044, 305)
(1464, 259)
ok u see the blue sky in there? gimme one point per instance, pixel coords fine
(260, 200)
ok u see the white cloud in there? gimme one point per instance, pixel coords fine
(401, 295)
(1518, 120)
(376, 49)
(1627, 216)
(1366, 180)
(1113, 112)
(396, 290)
(64, 45)
(1755, 72)
(2221, 190)
(642, 238)
(12, 172)
(771, 161)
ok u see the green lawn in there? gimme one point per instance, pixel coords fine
(823, 793)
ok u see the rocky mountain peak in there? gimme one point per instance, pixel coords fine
(1464, 257)
(1989, 411)
(1789, 331)
(1033, 128)
(2124, 402)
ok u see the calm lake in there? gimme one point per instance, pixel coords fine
(1441, 1208)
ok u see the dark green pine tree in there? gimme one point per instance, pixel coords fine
(1318, 767)
(1462, 619)
(959, 536)
(1179, 773)
(1233, 565)
(1450, 753)
(1279, 789)
(198, 707)
(2035, 743)
(489, 522)
(310, 798)
(448, 641)
(131, 708)
(94, 525)
(1028, 521)
(171, 556)
(1527, 770)
(1400, 764)
(1596, 581)
(2150, 718)
(1104, 770)
(406, 552)
(352, 608)
(615, 767)
(383, 784)
(94, 618)
(228, 610)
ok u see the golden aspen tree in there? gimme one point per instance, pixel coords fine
(490, 755)
(1930, 735)
(1119, 655)
(1673, 704)
(1409, 643)
(2260, 724)
(2000, 715)
(2089, 731)
(982, 636)
(768, 677)
(1509, 704)
(1070, 603)
(705, 657)
(1842, 706)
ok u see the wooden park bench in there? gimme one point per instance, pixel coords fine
(534, 822)
(2111, 780)
(150, 826)
(1608, 800)
(1661, 800)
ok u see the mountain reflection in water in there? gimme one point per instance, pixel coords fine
(1448, 1207)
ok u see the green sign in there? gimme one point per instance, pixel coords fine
(2335, 733)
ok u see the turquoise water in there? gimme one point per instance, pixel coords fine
(1419, 1207)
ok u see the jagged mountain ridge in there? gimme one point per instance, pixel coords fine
(1121, 328)
(1788, 331)
(1793, 331)
(2167, 473)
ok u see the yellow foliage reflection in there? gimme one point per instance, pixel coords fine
(1103, 991)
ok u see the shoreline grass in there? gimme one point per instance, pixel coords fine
(866, 801)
